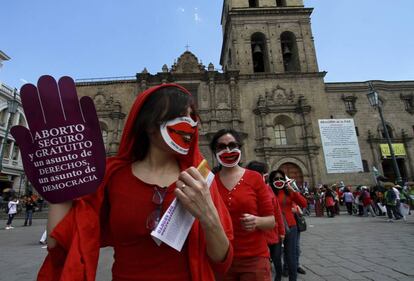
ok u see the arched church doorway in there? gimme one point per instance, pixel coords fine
(293, 171)
(388, 169)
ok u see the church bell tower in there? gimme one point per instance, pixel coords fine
(267, 36)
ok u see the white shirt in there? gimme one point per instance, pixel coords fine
(397, 193)
(13, 207)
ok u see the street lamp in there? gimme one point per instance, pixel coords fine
(376, 103)
(12, 109)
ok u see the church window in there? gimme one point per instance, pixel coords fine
(7, 147)
(350, 104)
(259, 52)
(290, 53)
(357, 131)
(104, 131)
(280, 3)
(15, 153)
(408, 102)
(253, 3)
(3, 117)
(365, 166)
(284, 130)
(280, 134)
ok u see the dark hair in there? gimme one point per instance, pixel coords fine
(272, 176)
(221, 133)
(162, 105)
(257, 166)
(216, 169)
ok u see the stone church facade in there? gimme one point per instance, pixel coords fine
(271, 91)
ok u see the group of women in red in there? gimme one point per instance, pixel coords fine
(236, 218)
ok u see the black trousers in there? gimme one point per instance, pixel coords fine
(10, 219)
(349, 207)
(276, 256)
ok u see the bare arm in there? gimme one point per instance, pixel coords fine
(216, 239)
(194, 194)
(251, 222)
(56, 213)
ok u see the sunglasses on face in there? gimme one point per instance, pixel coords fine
(231, 145)
(278, 179)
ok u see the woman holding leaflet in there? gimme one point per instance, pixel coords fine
(155, 164)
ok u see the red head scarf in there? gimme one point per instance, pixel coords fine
(125, 151)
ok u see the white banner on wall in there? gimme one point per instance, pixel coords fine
(340, 146)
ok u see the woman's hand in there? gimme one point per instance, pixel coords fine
(194, 194)
(192, 191)
(249, 222)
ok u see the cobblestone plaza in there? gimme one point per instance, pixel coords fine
(333, 249)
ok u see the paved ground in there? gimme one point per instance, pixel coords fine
(334, 249)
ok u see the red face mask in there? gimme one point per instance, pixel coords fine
(178, 133)
(279, 183)
(229, 158)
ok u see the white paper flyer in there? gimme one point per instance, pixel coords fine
(176, 223)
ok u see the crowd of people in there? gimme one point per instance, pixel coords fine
(246, 218)
(385, 198)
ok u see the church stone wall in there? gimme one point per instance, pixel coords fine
(368, 121)
(254, 103)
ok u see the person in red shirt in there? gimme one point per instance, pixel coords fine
(329, 201)
(250, 205)
(286, 196)
(275, 236)
(366, 202)
(155, 164)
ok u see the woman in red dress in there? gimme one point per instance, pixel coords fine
(286, 197)
(154, 164)
(250, 205)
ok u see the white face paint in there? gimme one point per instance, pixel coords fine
(229, 158)
(279, 184)
(178, 133)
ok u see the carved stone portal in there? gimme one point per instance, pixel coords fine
(280, 96)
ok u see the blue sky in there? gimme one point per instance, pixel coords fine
(356, 40)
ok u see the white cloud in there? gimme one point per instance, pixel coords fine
(197, 17)
(181, 9)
